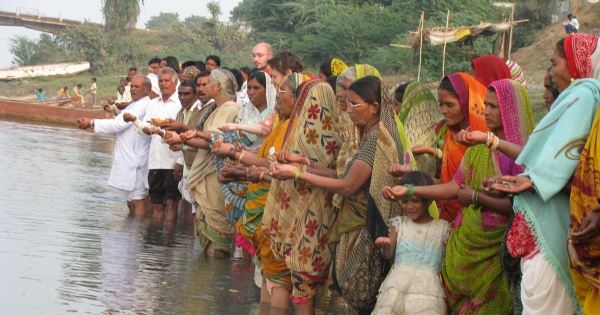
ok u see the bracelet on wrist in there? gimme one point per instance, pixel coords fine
(411, 191)
(297, 174)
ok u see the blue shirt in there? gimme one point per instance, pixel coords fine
(41, 96)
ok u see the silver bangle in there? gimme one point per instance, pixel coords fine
(92, 123)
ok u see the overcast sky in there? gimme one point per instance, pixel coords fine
(90, 10)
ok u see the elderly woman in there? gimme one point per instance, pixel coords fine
(216, 232)
(558, 144)
(358, 268)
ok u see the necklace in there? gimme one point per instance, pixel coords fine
(367, 131)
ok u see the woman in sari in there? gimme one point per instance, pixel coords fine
(276, 279)
(473, 277)
(358, 268)
(298, 219)
(550, 158)
(461, 103)
(488, 69)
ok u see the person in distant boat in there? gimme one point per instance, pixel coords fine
(79, 93)
(93, 91)
(123, 100)
(41, 95)
(63, 93)
(130, 164)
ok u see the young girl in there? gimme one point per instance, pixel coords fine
(416, 243)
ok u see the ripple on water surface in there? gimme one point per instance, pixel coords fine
(67, 245)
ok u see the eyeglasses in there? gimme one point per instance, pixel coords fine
(352, 104)
(282, 91)
(257, 55)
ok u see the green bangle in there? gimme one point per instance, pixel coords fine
(411, 191)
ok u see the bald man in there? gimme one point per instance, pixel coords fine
(261, 53)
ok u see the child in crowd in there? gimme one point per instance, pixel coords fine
(416, 244)
(41, 95)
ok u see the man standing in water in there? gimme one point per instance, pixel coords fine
(166, 166)
(130, 164)
(261, 53)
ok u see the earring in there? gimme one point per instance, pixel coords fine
(572, 79)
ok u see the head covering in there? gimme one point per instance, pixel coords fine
(516, 72)
(190, 72)
(154, 80)
(490, 68)
(364, 70)
(337, 67)
(472, 270)
(419, 113)
(250, 115)
(298, 218)
(471, 95)
(583, 55)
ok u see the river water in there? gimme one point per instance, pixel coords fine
(68, 246)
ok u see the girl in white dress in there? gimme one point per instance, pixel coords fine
(416, 244)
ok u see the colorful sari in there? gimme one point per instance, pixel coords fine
(298, 217)
(490, 68)
(337, 67)
(585, 192)
(256, 198)
(362, 217)
(516, 72)
(419, 113)
(473, 277)
(235, 192)
(471, 95)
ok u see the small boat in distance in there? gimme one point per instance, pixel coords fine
(47, 111)
(53, 70)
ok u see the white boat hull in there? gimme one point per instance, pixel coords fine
(53, 70)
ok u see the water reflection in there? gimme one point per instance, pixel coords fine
(67, 245)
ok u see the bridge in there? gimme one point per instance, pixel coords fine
(32, 19)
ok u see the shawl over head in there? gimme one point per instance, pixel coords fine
(516, 72)
(490, 68)
(583, 55)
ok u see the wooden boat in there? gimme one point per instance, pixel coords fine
(48, 111)
(53, 70)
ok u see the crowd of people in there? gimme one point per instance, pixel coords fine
(402, 203)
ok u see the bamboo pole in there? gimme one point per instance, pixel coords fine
(512, 26)
(445, 42)
(421, 25)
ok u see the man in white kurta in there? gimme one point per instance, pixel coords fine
(130, 164)
(165, 165)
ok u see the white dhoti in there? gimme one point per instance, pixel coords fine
(542, 293)
(140, 191)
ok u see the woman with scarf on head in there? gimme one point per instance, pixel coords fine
(560, 150)
(276, 279)
(488, 69)
(358, 267)
(461, 102)
(298, 218)
(472, 274)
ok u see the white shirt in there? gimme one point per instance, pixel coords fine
(161, 157)
(131, 149)
(573, 22)
(125, 98)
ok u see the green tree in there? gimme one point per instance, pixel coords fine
(162, 21)
(121, 14)
(23, 49)
(194, 22)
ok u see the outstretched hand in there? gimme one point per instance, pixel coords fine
(127, 117)
(399, 170)
(465, 195)
(286, 157)
(84, 123)
(282, 171)
(421, 149)
(521, 184)
(188, 135)
(471, 138)
(394, 193)
(486, 187)
(383, 242)
(228, 127)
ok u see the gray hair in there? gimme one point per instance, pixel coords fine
(226, 80)
(145, 70)
(349, 74)
(146, 83)
(173, 73)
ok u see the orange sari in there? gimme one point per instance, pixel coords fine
(471, 95)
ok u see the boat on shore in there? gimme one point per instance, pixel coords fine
(52, 70)
(48, 111)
